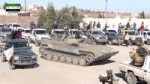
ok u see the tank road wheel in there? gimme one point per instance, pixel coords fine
(68, 59)
(48, 56)
(62, 59)
(89, 57)
(56, 57)
(82, 62)
(75, 61)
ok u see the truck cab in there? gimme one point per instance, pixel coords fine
(38, 34)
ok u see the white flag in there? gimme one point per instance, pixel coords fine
(9, 53)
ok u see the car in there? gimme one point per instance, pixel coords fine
(15, 26)
(4, 33)
(74, 32)
(132, 35)
(37, 35)
(17, 52)
(99, 37)
(113, 38)
(57, 31)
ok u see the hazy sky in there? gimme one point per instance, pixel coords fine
(113, 5)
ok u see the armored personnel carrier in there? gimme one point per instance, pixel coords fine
(74, 53)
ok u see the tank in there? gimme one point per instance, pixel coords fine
(74, 53)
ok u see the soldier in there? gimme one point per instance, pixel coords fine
(110, 79)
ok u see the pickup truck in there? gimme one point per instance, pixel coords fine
(17, 52)
(37, 34)
(134, 73)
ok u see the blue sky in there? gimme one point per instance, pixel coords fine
(113, 5)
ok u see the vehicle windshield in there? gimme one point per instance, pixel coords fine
(74, 32)
(131, 33)
(16, 25)
(27, 31)
(59, 32)
(112, 31)
(18, 44)
(112, 34)
(6, 30)
(96, 32)
(41, 32)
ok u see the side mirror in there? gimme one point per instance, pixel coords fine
(145, 70)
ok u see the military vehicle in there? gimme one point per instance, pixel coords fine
(17, 52)
(74, 53)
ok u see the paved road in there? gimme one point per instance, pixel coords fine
(50, 72)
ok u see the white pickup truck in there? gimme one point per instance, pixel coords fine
(38, 34)
(134, 73)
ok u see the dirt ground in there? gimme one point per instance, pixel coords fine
(49, 72)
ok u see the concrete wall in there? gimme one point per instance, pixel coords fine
(114, 22)
(23, 20)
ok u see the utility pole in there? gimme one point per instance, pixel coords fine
(25, 5)
(106, 11)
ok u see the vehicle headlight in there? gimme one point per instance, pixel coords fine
(33, 57)
(16, 58)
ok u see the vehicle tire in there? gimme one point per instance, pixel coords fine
(89, 57)
(82, 62)
(130, 78)
(75, 61)
(3, 59)
(62, 59)
(48, 56)
(56, 57)
(12, 66)
(68, 59)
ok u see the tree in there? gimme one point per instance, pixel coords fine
(69, 16)
(50, 16)
(142, 15)
(42, 17)
(101, 15)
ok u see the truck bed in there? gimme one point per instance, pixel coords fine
(127, 65)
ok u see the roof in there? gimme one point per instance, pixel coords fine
(39, 29)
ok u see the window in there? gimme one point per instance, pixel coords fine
(6, 30)
(41, 32)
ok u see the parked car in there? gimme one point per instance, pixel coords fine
(15, 26)
(132, 35)
(57, 31)
(73, 33)
(17, 52)
(99, 37)
(37, 34)
(113, 38)
(4, 33)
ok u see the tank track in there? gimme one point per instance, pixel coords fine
(83, 59)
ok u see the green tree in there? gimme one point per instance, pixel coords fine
(101, 15)
(42, 17)
(142, 15)
(50, 16)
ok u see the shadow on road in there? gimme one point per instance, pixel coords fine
(101, 62)
(28, 67)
